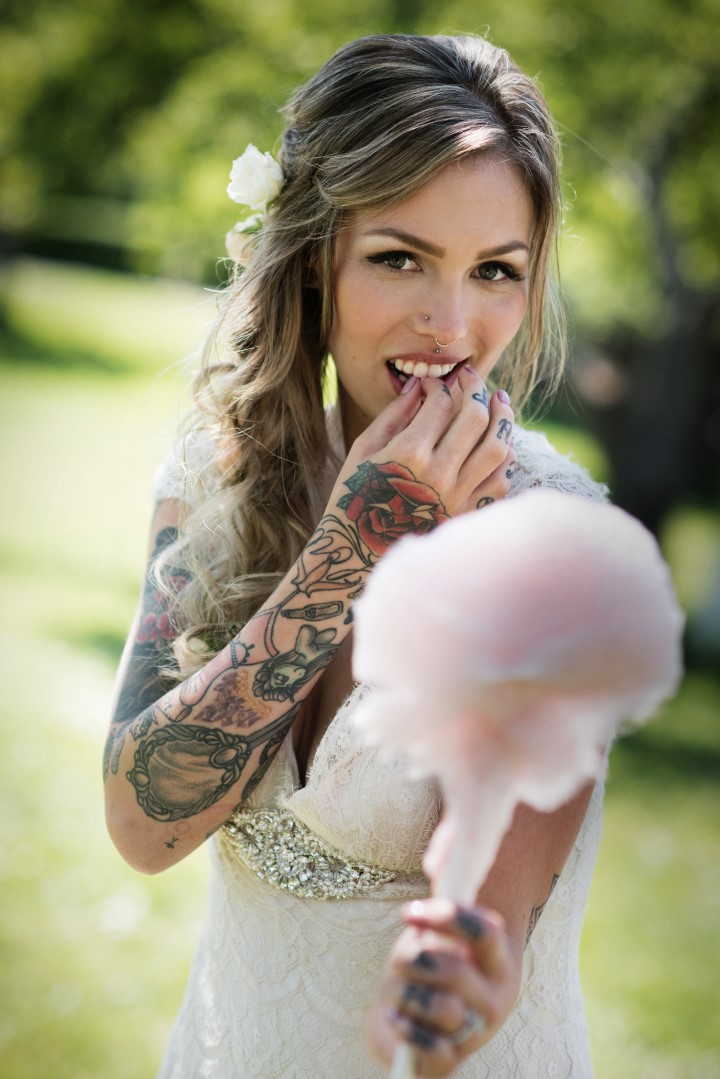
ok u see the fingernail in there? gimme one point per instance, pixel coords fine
(503, 396)
(420, 995)
(470, 368)
(469, 924)
(425, 961)
(421, 1037)
(408, 385)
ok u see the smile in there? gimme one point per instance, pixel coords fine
(420, 369)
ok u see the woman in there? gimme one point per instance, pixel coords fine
(411, 240)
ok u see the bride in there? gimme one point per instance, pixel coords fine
(408, 232)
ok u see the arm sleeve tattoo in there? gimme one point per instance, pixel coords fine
(193, 745)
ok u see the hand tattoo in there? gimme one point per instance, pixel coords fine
(386, 502)
(504, 430)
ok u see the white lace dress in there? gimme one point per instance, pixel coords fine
(304, 893)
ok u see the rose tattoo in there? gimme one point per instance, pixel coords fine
(387, 502)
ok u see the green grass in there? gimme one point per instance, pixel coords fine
(93, 957)
(651, 948)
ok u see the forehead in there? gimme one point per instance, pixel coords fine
(478, 200)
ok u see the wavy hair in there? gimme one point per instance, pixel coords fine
(379, 120)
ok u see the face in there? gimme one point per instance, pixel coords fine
(457, 251)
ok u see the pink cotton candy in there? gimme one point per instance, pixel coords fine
(504, 648)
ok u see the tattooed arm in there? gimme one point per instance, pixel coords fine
(178, 762)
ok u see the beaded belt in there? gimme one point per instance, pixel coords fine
(283, 851)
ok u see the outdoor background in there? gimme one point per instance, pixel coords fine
(118, 122)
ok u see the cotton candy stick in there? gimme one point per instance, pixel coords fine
(504, 649)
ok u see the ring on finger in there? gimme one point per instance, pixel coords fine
(474, 1024)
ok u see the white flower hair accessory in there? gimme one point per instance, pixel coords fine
(255, 179)
(239, 240)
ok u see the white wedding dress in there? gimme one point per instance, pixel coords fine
(305, 888)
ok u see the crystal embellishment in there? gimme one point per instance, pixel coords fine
(283, 851)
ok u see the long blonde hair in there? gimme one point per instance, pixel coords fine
(379, 120)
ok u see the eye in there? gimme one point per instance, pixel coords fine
(398, 261)
(498, 271)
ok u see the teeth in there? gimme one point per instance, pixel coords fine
(421, 369)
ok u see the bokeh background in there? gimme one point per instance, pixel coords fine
(118, 121)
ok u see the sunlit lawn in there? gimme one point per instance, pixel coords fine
(93, 957)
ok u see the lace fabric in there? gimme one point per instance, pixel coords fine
(281, 983)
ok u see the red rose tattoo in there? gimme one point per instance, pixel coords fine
(387, 502)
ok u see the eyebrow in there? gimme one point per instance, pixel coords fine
(432, 249)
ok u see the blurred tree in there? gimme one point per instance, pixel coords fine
(120, 118)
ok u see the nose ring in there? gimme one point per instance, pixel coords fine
(439, 344)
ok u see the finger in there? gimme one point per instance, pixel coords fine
(434, 982)
(497, 485)
(433, 1055)
(421, 954)
(431, 420)
(430, 1004)
(443, 963)
(492, 450)
(472, 415)
(502, 417)
(392, 420)
(473, 387)
(482, 929)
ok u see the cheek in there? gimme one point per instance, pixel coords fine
(511, 316)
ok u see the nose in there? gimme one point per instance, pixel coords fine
(447, 308)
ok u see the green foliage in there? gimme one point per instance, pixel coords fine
(121, 118)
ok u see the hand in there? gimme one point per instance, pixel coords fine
(449, 450)
(449, 985)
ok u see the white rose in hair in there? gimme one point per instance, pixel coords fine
(255, 179)
(239, 241)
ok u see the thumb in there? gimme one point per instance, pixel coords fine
(392, 420)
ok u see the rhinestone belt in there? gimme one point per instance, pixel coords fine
(283, 851)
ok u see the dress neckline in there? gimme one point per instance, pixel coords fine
(298, 783)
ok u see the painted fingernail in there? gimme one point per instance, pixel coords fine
(470, 368)
(469, 924)
(422, 995)
(503, 396)
(408, 385)
(421, 1037)
(425, 961)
